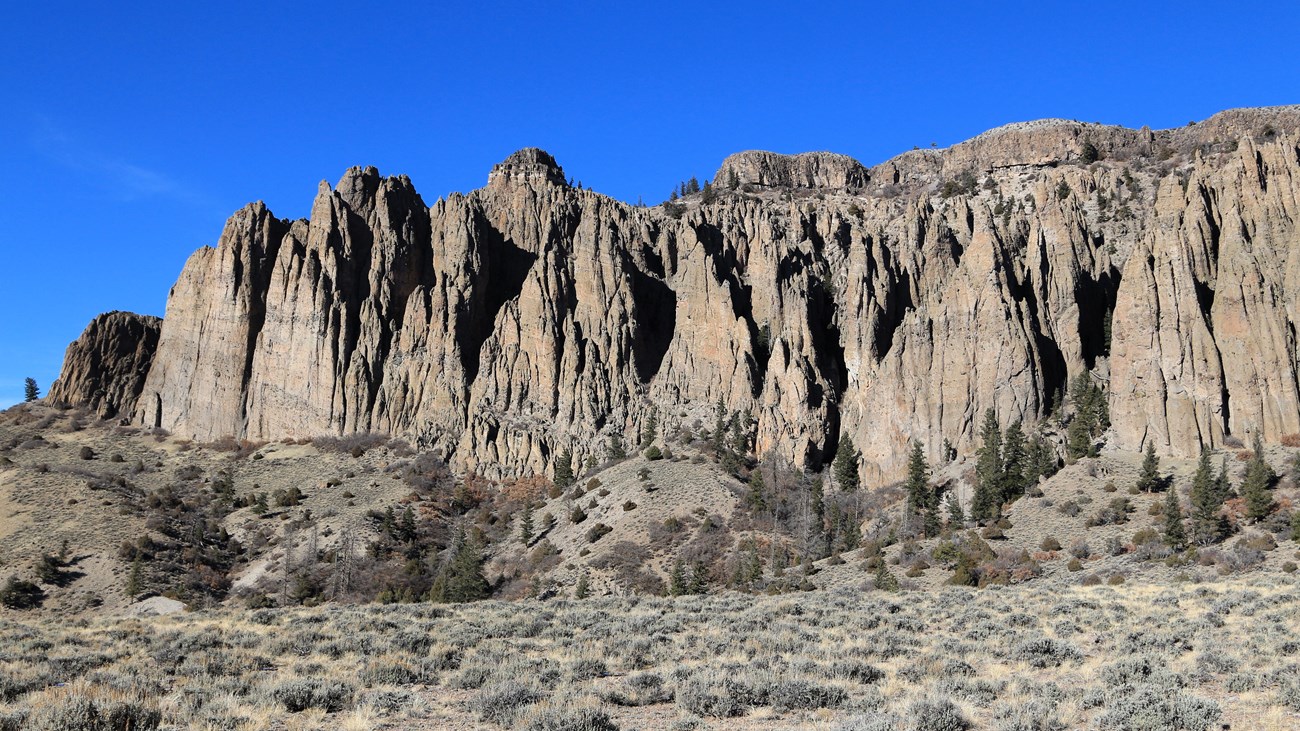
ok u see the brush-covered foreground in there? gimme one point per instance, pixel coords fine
(1030, 657)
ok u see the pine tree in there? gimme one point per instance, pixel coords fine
(583, 589)
(756, 497)
(526, 525)
(918, 480)
(650, 431)
(406, 526)
(1149, 477)
(1205, 503)
(885, 581)
(31, 392)
(135, 580)
(461, 578)
(677, 579)
(564, 469)
(614, 449)
(718, 439)
(1175, 533)
(956, 516)
(1014, 460)
(699, 580)
(846, 464)
(1040, 460)
(1256, 488)
(986, 505)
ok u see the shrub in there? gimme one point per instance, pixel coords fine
(577, 515)
(1050, 544)
(1074, 565)
(21, 594)
(501, 703)
(564, 716)
(653, 453)
(704, 700)
(305, 693)
(936, 714)
(800, 694)
(86, 453)
(629, 505)
(597, 532)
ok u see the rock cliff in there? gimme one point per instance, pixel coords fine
(891, 303)
(105, 368)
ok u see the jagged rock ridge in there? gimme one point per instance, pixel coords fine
(891, 304)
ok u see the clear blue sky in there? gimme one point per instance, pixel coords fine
(129, 134)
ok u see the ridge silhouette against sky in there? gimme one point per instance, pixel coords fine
(130, 133)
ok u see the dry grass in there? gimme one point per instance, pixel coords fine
(1028, 657)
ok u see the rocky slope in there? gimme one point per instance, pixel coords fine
(891, 303)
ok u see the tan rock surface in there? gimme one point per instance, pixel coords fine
(526, 317)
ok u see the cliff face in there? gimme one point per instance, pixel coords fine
(890, 304)
(105, 368)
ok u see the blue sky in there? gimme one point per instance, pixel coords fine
(129, 133)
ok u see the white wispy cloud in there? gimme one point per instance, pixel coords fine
(120, 178)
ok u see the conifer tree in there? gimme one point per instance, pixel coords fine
(135, 580)
(846, 464)
(956, 516)
(986, 505)
(918, 480)
(1175, 533)
(1013, 462)
(756, 498)
(564, 469)
(30, 391)
(583, 589)
(677, 579)
(650, 430)
(526, 525)
(718, 439)
(1149, 477)
(614, 449)
(461, 578)
(1206, 502)
(1256, 487)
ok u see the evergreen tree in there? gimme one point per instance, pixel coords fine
(526, 525)
(30, 391)
(930, 518)
(1091, 417)
(956, 516)
(1014, 458)
(650, 431)
(677, 579)
(718, 439)
(948, 452)
(733, 180)
(846, 464)
(1040, 461)
(739, 434)
(986, 505)
(756, 498)
(918, 480)
(583, 589)
(135, 579)
(1175, 533)
(699, 580)
(461, 578)
(614, 449)
(1149, 477)
(1256, 488)
(1206, 502)
(406, 526)
(885, 581)
(564, 469)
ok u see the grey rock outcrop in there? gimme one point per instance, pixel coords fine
(526, 317)
(806, 170)
(105, 369)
